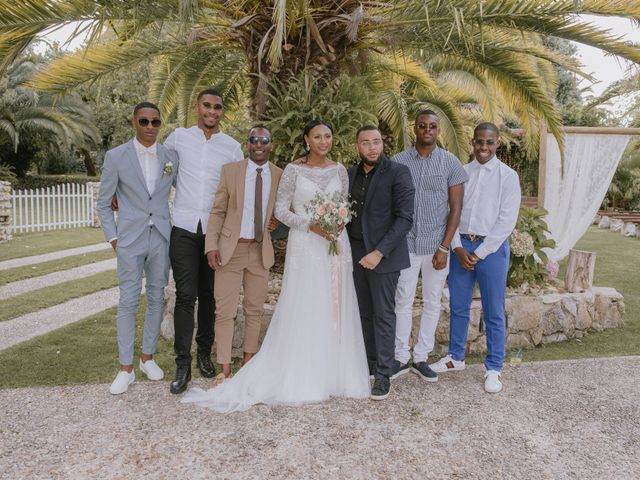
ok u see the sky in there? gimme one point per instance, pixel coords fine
(605, 68)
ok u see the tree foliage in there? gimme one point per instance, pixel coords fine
(37, 127)
(624, 190)
(345, 104)
(469, 60)
(111, 99)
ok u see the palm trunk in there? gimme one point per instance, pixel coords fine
(89, 164)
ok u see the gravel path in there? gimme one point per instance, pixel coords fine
(21, 262)
(43, 321)
(576, 419)
(30, 284)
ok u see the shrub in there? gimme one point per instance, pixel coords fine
(44, 181)
(7, 173)
(528, 261)
(343, 103)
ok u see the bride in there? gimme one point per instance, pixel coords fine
(314, 347)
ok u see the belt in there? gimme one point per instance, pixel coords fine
(246, 240)
(472, 238)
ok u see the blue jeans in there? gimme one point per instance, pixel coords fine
(491, 275)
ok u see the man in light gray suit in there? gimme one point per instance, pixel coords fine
(140, 173)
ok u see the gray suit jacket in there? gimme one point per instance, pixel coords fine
(122, 176)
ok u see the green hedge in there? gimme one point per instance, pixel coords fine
(44, 181)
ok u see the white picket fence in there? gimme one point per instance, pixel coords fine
(63, 206)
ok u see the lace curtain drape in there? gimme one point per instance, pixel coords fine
(574, 198)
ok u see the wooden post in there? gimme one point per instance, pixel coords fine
(580, 268)
(542, 164)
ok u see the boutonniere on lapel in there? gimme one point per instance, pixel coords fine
(168, 168)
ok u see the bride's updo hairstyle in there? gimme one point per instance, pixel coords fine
(308, 127)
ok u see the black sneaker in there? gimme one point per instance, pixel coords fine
(399, 369)
(380, 390)
(425, 372)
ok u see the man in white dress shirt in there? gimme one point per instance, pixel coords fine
(140, 174)
(203, 150)
(489, 213)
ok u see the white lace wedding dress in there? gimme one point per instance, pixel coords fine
(313, 348)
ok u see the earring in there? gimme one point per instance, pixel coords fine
(306, 145)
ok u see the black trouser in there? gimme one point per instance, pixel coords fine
(377, 301)
(194, 280)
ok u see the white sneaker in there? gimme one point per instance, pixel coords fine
(447, 364)
(151, 370)
(122, 382)
(492, 383)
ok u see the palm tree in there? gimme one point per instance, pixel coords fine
(27, 116)
(624, 188)
(467, 59)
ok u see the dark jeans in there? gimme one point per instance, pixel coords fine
(194, 280)
(376, 294)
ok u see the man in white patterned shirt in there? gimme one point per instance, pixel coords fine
(439, 180)
(203, 150)
(481, 245)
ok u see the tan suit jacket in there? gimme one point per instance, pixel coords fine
(225, 218)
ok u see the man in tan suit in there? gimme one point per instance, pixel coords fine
(238, 243)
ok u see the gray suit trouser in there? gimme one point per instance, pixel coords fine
(149, 253)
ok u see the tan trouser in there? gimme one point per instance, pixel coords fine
(243, 269)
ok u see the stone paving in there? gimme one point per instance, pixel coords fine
(21, 262)
(577, 419)
(30, 284)
(43, 321)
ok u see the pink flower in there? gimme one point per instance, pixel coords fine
(552, 269)
(320, 210)
(343, 213)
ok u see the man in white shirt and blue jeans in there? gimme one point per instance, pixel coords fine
(203, 150)
(489, 214)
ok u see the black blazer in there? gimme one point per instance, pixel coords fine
(387, 215)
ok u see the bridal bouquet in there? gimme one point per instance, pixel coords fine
(331, 212)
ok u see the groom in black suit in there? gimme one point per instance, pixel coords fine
(384, 194)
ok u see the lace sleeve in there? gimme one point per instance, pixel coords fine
(344, 179)
(284, 197)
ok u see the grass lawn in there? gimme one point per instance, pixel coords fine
(84, 352)
(31, 271)
(617, 266)
(45, 297)
(36, 243)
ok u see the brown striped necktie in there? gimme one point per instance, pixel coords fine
(257, 211)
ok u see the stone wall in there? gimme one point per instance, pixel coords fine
(532, 319)
(167, 329)
(541, 319)
(628, 229)
(94, 188)
(6, 220)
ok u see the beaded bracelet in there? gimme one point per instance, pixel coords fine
(443, 249)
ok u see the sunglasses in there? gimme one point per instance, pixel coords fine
(144, 122)
(253, 140)
(480, 142)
